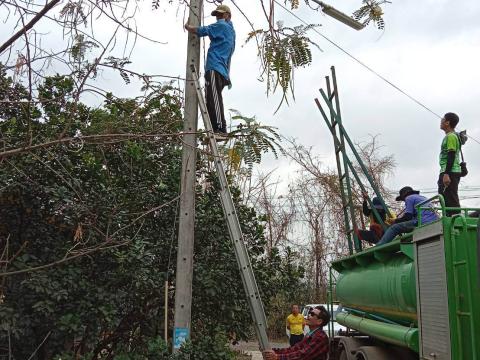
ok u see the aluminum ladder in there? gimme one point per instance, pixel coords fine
(243, 260)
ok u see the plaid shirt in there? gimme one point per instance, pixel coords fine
(312, 347)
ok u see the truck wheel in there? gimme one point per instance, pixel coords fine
(349, 345)
(373, 353)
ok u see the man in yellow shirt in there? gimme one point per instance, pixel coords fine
(295, 323)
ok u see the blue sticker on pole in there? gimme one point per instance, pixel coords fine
(180, 335)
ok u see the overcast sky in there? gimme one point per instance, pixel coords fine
(429, 48)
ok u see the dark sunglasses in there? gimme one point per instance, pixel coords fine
(312, 313)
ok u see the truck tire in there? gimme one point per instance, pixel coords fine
(350, 344)
(343, 355)
(373, 353)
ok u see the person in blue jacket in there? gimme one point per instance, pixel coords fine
(217, 66)
(409, 221)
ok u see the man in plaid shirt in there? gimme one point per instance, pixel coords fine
(313, 347)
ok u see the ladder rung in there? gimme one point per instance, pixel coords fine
(247, 274)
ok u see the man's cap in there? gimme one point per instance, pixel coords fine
(404, 192)
(221, 9)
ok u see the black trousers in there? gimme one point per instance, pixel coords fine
(214, 84)
(450, 193)
(295, 339)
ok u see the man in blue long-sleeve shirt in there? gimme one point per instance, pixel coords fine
(217, 67)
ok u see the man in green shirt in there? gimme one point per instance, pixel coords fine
(449, 163)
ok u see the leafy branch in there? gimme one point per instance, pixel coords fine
(282, 50)
(252, 139)
(371, 11)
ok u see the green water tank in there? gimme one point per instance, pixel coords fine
(382, 288)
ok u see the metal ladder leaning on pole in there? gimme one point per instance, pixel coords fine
(243, 261)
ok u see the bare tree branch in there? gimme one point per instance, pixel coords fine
(64, 260)
(91, 139)
(30, 24)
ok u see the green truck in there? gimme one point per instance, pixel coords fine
(417, 297)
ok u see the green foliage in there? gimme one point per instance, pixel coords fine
(282, 50)
(80, 45)
(371, 11)
(204, 348)
(119, 65)
(218, 291)
(88, 229)
(59, 203)
(251, 141)
(73, 13)
(292, 289)
(212, 347)
(14, 108)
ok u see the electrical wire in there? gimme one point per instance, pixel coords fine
(368, 67)
(478, 142)
(432, 189)
(362, 63)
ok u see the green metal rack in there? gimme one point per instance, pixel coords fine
(419, 293)
(345, 166)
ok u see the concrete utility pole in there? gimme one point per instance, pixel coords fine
(184, 273)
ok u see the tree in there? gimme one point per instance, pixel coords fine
(319, 206)
(83, 52)
(83, 253)
(279, 210)
(88, 230)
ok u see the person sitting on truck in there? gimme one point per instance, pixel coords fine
(375, 233)
(408, 221)
(315, 344)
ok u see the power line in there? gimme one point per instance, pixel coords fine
(367, 67)
(434, 189)
(478, 142)
(361, 63)
(293, 197)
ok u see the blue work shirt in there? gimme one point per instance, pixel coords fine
(222, 45)
(411, 201)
